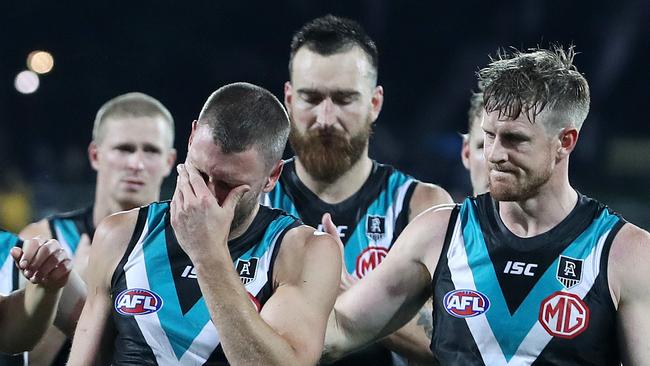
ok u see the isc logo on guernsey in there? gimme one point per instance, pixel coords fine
(465, 303)
(137, 301)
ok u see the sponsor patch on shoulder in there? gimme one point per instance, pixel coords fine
(465, 303)
(137, 301)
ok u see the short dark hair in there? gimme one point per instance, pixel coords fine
(133, 104)
(243, 115)
(330, 34)
(535, 81)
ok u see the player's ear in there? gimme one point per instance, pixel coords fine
(93, 155)
(273, 178)
(195, 124)
(568, 138)
(376, 102)
(464, 151)
(288, 96)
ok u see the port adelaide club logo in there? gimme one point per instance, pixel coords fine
(569, 271)
(465, 303)
(137, 301)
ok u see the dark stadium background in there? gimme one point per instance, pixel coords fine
(181, 51)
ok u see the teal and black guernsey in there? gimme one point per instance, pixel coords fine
(8, 272)
(368, 223)
(500, 299)
(9, 282)
(371, 218)
(68, 227)
(159, 314)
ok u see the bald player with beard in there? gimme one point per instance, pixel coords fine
(333, 100)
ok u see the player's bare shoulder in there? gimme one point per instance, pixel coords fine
(423, 238)
(426, 195)
(111, 240)
(303, 245)
(630, 249)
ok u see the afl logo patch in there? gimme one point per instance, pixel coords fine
(137, 301)
(465, 303)
(369, 259)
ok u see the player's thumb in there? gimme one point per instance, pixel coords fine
(330, 228)
(235, 196)
(16, 253)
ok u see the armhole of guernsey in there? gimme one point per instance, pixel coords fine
(403, 217)
(442, 260)
(268, 290)
(137, 232)
(604, 260)
(15, 273)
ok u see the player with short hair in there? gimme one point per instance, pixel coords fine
(132, 151)
(212, 277)
(532, 272)
(333, 100)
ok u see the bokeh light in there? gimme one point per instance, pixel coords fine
(26, 82)
(41, 62)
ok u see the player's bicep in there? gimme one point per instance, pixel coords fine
(299, 308)
(631, 249)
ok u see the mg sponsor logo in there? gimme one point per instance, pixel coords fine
(465, 303)
(369, 259)
(564, 315)
(137, 301)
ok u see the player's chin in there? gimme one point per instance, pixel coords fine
(503, 191)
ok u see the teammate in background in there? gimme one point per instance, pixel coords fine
(212, 276)
(472, 151)
(333, 100)
(532, 272)
(132, 152)
(26, 314)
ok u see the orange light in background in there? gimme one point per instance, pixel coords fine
(40, 62)
(26, 82)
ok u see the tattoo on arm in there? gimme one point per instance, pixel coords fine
(426, 321)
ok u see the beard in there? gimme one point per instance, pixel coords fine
(518, 188)
(326, 153)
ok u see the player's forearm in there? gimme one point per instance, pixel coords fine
(245, 337)
(413, 340)
(31, 312)
(70, 305)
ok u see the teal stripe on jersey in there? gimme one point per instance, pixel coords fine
(358, 240)
(282, 201)
(501, 321)
(161, 281)
(7, 241)
(274, 229)
(69, 231)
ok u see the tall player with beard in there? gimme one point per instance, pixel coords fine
(531, 273)
(132, 151)
(212, 277)
(333, 100)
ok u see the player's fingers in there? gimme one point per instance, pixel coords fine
(43, 253)
(16, 253)
(50, 264)
(234, 196)
(30, 247)
(330, 228)
(59, 274)
(184, 184)
(197, 182)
